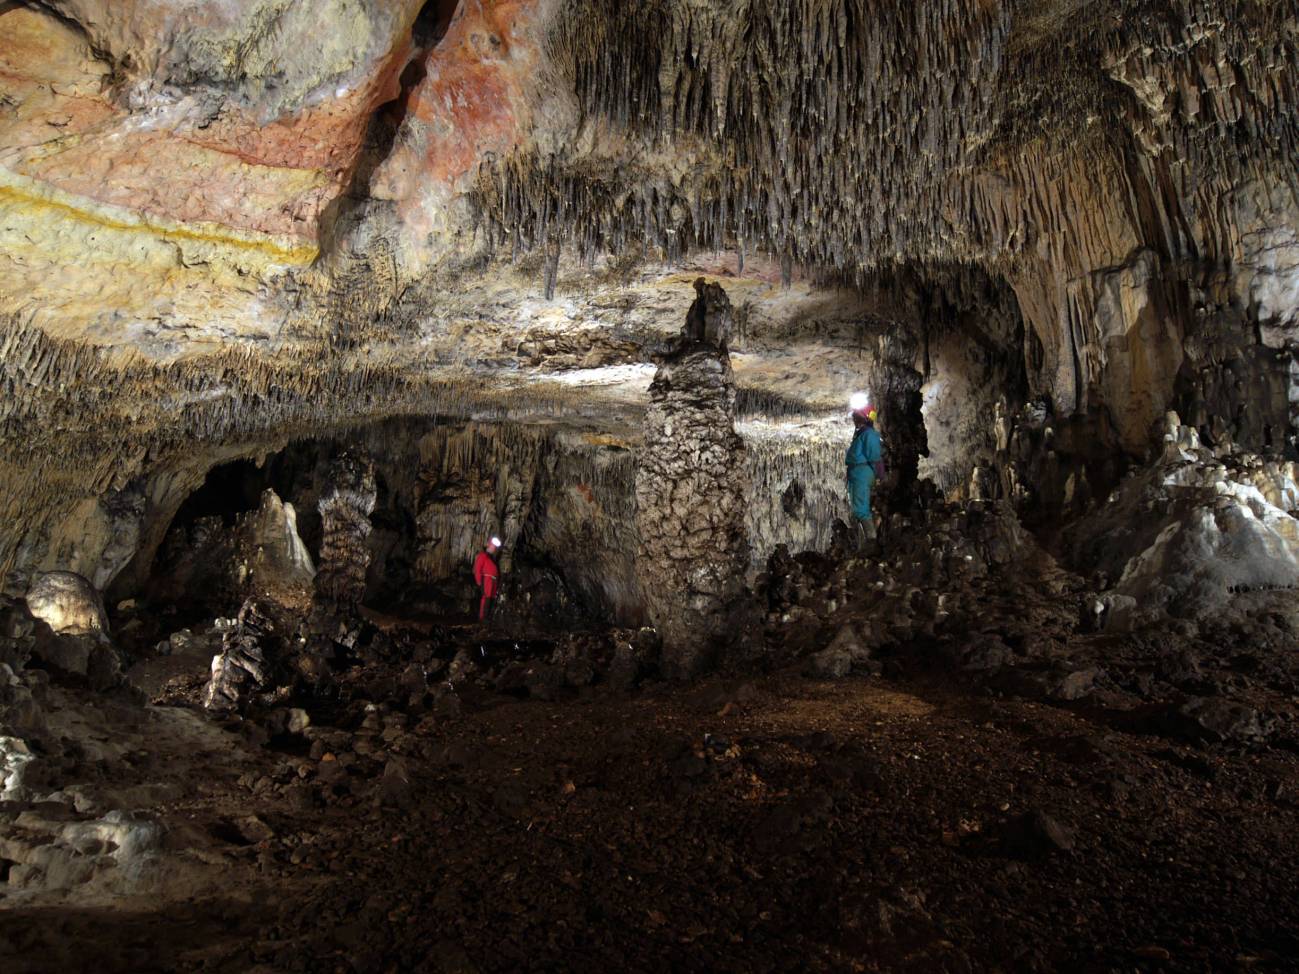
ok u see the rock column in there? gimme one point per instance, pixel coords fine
(345, 509)
(691, 489)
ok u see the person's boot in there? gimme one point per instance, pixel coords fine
(860, 538)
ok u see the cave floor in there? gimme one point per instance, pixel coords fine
(768, 825)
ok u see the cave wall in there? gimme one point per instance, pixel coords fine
(224, 226)
(1109, 161)
(562, 500)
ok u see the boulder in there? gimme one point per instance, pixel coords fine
(829, 664)
(844, 653)
(68, 604)
(1214, 720)
(72, 635)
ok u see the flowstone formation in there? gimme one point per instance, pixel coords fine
(691, 488)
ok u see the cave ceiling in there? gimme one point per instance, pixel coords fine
(228, 221)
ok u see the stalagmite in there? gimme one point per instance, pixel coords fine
(345, 510)
(691, 488)
(241, 669)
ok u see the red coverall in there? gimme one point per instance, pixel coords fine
(485, 577)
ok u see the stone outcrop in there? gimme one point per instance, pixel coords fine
(691, 490)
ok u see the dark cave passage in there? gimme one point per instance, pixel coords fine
(441, 491)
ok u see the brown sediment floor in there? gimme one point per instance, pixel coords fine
(766, 825)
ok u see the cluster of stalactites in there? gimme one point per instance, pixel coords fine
(848, 134)
(789, 115)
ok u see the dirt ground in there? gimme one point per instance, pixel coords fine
(778, 824)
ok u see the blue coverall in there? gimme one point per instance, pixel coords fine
(865, 451)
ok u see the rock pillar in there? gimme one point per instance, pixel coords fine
(691, 489)
(345, 509)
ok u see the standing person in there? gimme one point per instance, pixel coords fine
(863, 461)
(486, 577)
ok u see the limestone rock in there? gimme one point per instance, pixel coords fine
(20, 714)
(844, 653)
(68, 604)
(345, 510)
(17, 633)
(690, 501)
(1216, 720)
(829, 664)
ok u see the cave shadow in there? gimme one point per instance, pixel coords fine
(111, 940)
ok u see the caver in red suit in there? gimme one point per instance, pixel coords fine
(486, 577)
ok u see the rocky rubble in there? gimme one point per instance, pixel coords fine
(966, 590)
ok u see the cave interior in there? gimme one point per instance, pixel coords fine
(301, 305)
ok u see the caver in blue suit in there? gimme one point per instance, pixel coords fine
(863, 459)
